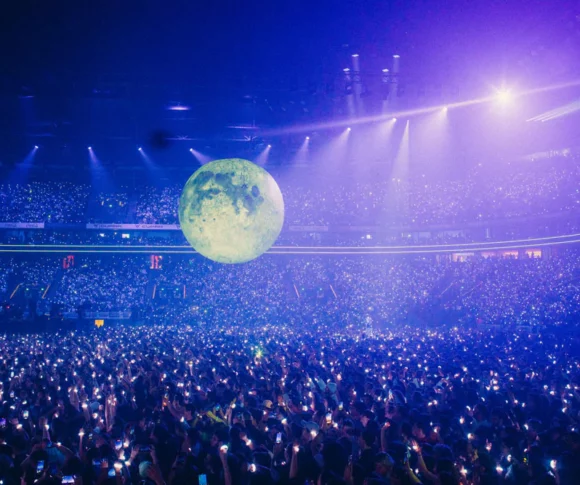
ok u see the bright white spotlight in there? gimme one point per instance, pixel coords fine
(396, 56)
(355, 55)
(504, 95)
(346, 69)
(348, 129)
(90, 148)
(445, 108)
(36, 147)
(177, 107)
(385, 71)
(308, 138)
(140, 149)
(269, 146)
(394, 119)
(191, 150)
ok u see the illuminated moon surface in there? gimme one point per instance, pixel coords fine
(231, 210)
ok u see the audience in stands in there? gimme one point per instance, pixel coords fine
(416, 202)
(539, 292)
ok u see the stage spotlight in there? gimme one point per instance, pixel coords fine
(90, 148)
(177, 107)
(355, 55)
(394, 119)
(385, 70)
(262, 158)
(396, 56)
(148, 161)
(36, 147)
(348, 129)
(503, 95)
(346, 69)
(445, 108)
(201, 157)
(308, 138)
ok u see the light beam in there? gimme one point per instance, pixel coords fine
(411, 112)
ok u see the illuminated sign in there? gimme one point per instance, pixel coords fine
(156, 261)
(68, 261)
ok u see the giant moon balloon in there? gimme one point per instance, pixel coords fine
(231, 211)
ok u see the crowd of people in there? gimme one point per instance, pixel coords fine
(110, 207)
(277, 404)
(506, 291)
(158, 206)
(115, 285)
(420, 202)
(44, 201)
(433, 369)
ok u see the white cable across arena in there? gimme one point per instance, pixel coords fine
(308, 250)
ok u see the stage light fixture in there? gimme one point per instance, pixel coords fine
(177, 107)
(504, 95)
(396, 56)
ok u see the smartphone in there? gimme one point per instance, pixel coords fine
(278, 438)
(340, 406)
(328, 418)
(40, 467)
(96, 462)
(118, 444)
(68, 479)
(202, 480)
(2, 423)
(252, 467)
(111, 473)
(25, 414)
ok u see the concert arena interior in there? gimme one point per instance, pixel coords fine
(389, 294)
